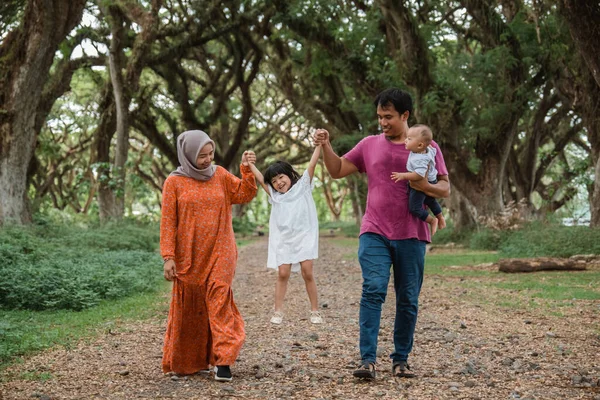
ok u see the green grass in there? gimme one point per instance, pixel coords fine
(24, 332)
(555, 285)
(555, 289)
(435, 263)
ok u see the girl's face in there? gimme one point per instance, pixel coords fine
(413, 141)
(281, 183)
(205, 157)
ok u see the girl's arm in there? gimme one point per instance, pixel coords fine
(259, 177)
(313, 161)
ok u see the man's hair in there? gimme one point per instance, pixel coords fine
(425, 133)
(280, 167)
(401, 100)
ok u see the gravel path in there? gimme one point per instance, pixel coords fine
(467, 346)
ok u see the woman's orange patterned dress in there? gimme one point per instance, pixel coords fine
(204, 325)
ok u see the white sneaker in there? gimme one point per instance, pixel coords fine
(277, 318)
(315, 317)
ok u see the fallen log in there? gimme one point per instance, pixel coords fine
(513, 265)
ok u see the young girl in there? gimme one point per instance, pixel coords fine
(293, 229)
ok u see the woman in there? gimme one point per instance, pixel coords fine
(198, 246)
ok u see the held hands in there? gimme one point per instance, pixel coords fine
(321, 137)
(248, 158)
(169, 270)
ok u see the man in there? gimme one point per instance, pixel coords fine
(389, 234)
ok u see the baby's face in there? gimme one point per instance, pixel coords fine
(281, 183)
(413, 141)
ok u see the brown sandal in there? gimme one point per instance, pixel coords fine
(400, 370)
(365, 371)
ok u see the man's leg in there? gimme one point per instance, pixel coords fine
(408, 263)
(375, 262)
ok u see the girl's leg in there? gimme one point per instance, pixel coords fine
(283, 275)
(309, 281)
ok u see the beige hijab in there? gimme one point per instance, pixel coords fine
(189, 144)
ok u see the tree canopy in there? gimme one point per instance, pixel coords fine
(94, 93)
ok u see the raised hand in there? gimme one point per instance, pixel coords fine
(248, 158)
(321, 137)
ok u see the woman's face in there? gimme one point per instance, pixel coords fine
(205, 157)
(282, 183)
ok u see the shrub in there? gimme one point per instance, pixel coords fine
(538, 239)
(486, 239)
(243, 226)
(60, 267)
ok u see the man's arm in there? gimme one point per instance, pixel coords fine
(338, 167)
(439, 190)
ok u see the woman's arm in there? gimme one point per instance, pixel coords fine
(243, 190)
(313, 162)
(168, 229)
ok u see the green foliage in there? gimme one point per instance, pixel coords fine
(50, 267)
(451, 235)
(539, 239)
(243, 226)
(536, 239)
(348, 229)
(486, 239)
(11, 12)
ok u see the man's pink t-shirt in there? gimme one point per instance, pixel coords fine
(387, 201)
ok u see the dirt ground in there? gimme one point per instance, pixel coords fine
(466, 347)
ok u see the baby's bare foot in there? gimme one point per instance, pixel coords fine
(434, 226)
(441, 221)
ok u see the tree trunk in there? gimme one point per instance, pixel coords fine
(101, 154)
(111, 190)
(512, 265)
(27, 54)
(582, 18)
(464, 215)
(358, 200)
(116, 60)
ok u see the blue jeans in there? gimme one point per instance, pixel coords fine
(407, 258)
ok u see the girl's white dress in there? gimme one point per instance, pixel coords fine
(293, 226)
